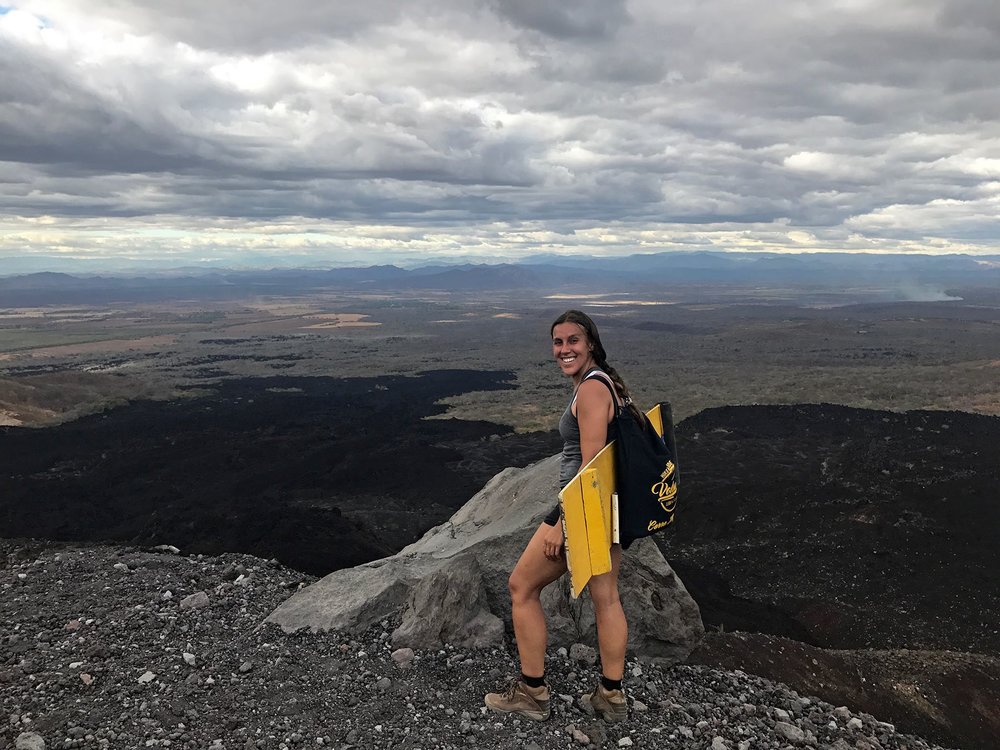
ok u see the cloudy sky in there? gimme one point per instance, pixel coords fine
(239, 132)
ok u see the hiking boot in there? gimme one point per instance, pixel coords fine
(521, 699)
(608, 704)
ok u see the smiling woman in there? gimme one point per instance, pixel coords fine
(586, 427)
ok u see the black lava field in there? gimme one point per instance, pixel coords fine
(320, 473)
(839, 527)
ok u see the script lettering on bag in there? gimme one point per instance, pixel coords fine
(654, 524)
(666, 489)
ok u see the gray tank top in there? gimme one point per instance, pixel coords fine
(569, 430)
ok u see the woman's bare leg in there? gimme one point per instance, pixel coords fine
(612, 629)
(533, 572)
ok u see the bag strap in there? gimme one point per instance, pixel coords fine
(606, 379)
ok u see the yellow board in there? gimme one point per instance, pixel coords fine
(588, 514)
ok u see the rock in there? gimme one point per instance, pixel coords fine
(450, 606)
(403, 657)
(195, 601)
(478, 547)
(583, 653)
(580, 737)
(246, 667)
(29, 741)
(168, 548)
(855, 724)
(625, 742)
(147, 676)
(718, 743)
(596, 733)
(639, 707)
(781, 714)
(842, 712)
(788, 731)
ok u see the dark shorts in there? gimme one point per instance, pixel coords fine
(553, 517)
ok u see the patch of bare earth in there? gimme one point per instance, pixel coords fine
(340, 320)
(106, 346)
(52, 398)
(948, 696)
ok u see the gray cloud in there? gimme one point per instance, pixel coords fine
(861, 126)
(584, 19)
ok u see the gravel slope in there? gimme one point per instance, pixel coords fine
(111, 647)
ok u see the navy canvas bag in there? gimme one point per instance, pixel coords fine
(646, 471)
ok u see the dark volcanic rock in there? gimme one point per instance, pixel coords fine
(165, 676)
(947, 696)
(842, 527)
(321, 473)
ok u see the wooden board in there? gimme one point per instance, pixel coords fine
(588, 517)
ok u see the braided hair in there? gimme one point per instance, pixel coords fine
(600, 356)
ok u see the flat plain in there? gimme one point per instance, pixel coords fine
(696, 346)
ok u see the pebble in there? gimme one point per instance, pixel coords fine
(403, 657)
(842, 712)
(195, 601)
(581, 652)
(789, 731)
(189, 658)
(29, 741)
(625, 742)
(147, 676)
(855, 724)
(718, 743)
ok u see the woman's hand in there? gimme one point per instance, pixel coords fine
(552, 542)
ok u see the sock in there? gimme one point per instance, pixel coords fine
(533, 682)
(611, 684)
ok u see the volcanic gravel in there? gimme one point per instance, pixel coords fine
(111, 647)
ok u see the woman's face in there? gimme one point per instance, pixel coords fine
(571, 349)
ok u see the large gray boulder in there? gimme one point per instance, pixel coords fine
(451, 585)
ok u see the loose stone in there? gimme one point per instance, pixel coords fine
(195, 601)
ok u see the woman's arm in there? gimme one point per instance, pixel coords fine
(594, 410)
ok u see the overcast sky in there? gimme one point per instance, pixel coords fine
(216, 130)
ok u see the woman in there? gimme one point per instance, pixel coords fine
(586, 427)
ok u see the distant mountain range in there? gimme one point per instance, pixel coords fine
(633, 273)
